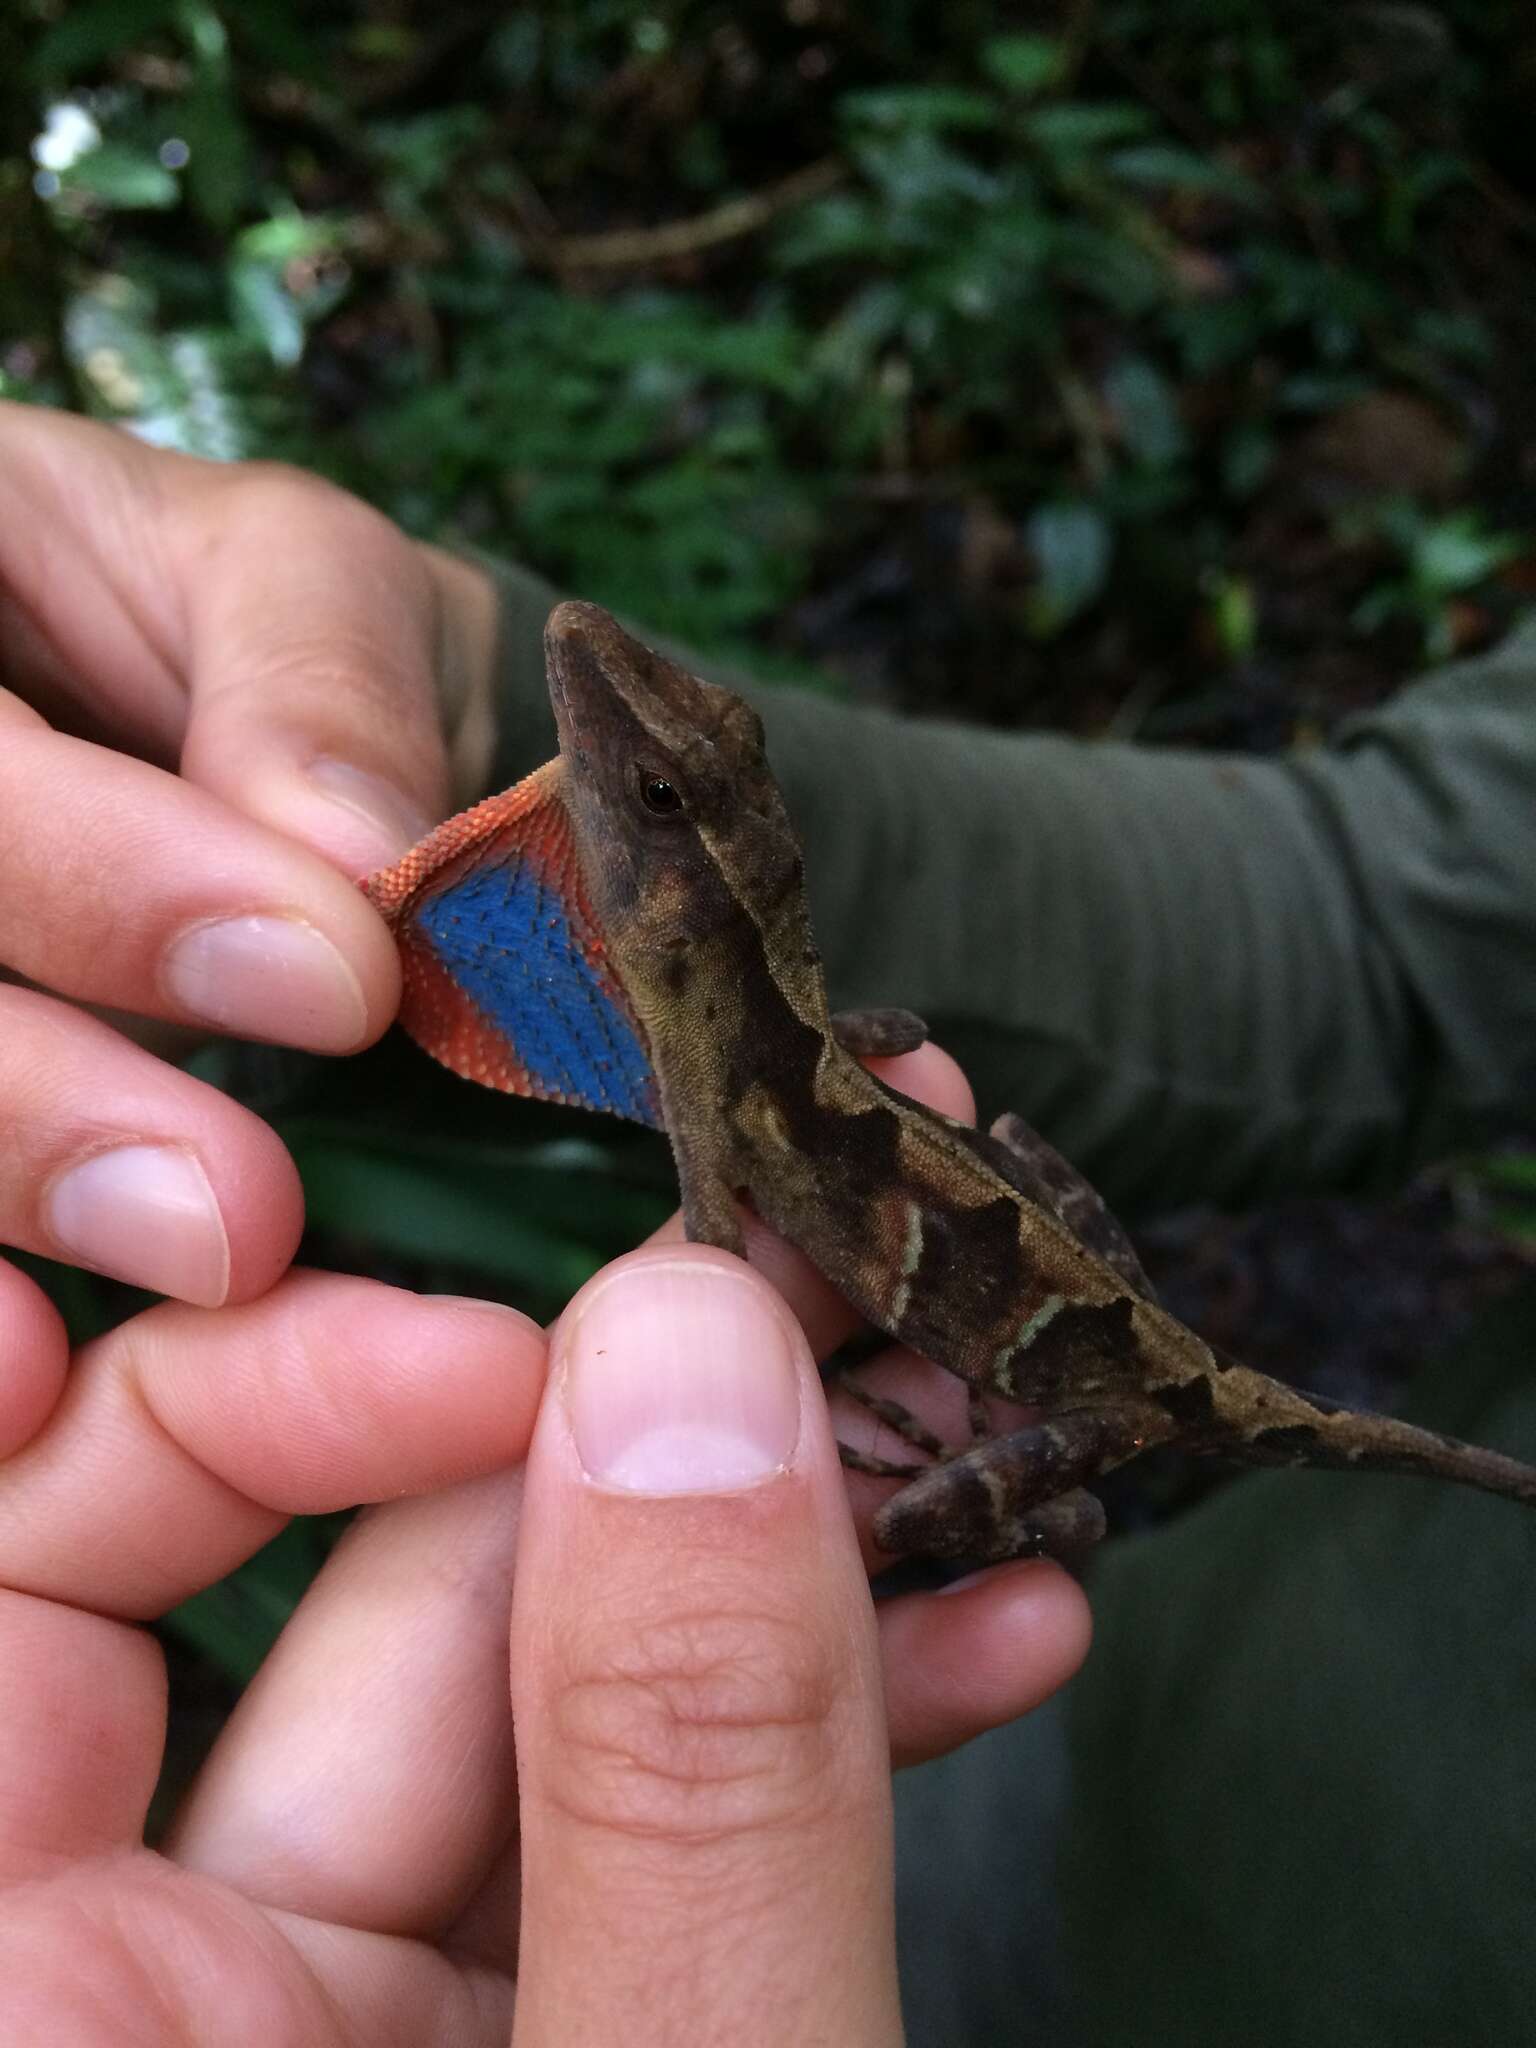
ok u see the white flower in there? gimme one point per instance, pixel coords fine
(68, 135)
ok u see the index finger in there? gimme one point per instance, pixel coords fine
(279, 636)
(187, 1437)
(312, 639)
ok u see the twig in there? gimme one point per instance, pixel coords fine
(626, 248)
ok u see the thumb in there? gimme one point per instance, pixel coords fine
(702, 1753)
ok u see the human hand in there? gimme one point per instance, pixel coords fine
(302, 662)
(695, 1675)
(229, 689)
(106, 866)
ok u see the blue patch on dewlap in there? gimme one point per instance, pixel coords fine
(504, 935)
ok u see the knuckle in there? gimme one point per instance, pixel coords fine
(275, 497)
(260, 500)
(698, 1728)
(283, 488)
(340, 671)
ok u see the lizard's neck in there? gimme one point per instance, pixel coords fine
(738, 1016)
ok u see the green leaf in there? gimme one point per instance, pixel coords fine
(521, 1216)
(1514, 1171)
(1072, 545)
(263, 303)
(84, 37)
(1146, 410)
(282, 34)
(1115, 270)
(919, 106)
(1247, 456)
(1234, 616)
(1466, 336)
(1384, 602)
(123, 178)
(1457, 552)
(283, 275)
(926, 187)
(842, 225)
(1165, 166)
(1026, 65)
(1081, 126)
(212, 124)
(424, 151)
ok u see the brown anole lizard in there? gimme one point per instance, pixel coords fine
(658, 853)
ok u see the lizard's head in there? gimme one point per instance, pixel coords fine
(682, 832)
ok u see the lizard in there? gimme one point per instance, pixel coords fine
(627, 930)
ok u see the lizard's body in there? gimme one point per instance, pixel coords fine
(680, 876)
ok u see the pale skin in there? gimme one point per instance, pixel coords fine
(226, 694)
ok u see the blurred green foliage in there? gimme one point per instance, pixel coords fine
(1082, 279)
(1125, 351)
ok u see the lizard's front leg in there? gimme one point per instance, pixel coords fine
(879, 1034)
(710, 1211)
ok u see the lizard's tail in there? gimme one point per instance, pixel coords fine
(1259, 1422)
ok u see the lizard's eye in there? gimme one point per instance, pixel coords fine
(660, 797)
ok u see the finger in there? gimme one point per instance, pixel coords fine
(82, 1703)
(131, 1168)
(368, 1775)
(978, 1653)
(286, 1800)
(274, 633)
(127, 886)
(187, 1437)
(701, 1750)
(89, 621)
(988, 1647)
(34, 1355)
(313, 638)
(469, 608)
(107, 1929)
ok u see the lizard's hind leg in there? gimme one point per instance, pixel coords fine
(1014, 1496)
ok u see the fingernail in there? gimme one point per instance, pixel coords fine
(145, 1214)
(268, 977)
(371, 822)
(679, 1378)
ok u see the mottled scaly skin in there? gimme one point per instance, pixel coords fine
(985, 1253)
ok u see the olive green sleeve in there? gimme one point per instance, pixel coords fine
(1203, 975)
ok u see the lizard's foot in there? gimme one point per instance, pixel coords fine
(878, 1034)
(1013, 1496)
(899, 1418)
(878, 1468)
